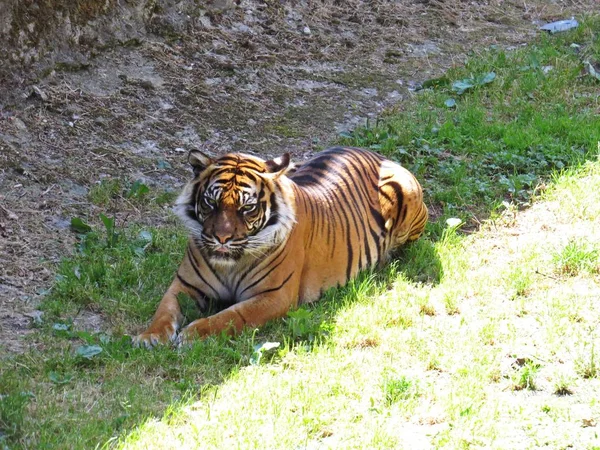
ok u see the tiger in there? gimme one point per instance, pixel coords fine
(266, 236)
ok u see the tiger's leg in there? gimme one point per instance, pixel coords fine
(166, 320)
(253, 312)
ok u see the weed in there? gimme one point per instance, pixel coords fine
(576, 257)
(138, 190)
(451, 303)
(562, 386)
(519, 280)
(398, 389)
(525, 378)
(586, 364)
(304, 325)
(13, 402)
(425, 307)
(104, 192)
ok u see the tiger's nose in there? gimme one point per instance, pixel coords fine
(223, 237)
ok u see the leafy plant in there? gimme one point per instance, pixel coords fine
(398, 389)
(138, 190)
(260, 349)
(79, 226)
(461, 86)
(109, 226)
(304, 324)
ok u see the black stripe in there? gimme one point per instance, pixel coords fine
(243, 184)
(305, 179)
(191, 286)
(376, 214)
(399, 196)
(263, 277)
(194, 263)
(273, 219)
(252, 267)
(387, 197)
(266, 291)
(353, 193)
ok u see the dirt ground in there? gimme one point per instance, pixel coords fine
(261, 77)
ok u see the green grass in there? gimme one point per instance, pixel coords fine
(110, 192)
(537, 116)
(577, 257)
(481, 339)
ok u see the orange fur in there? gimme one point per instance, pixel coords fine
(266, 237)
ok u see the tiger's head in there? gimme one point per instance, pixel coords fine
(237, 205)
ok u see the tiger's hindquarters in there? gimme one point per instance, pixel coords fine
(402, 207)
(418, 226)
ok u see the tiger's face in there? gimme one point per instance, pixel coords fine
(235, 206)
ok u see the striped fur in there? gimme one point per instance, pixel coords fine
(266, 236)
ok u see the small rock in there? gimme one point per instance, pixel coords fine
(37, 92)
(306, 31)
(180, 150)
(242, 27)
(19, 124)
(251, 122)
(369, 92)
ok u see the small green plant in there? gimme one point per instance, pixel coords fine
(576, 257)
(102, 193)
(398, 389)
(305, 325)
(165, 198)
(520, 281)
(451, 303)
(111, 233)
(525, 377)
(138, 190)
(260, 350)
(563, 386)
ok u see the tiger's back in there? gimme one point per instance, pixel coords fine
(354, 207)
(265, 237)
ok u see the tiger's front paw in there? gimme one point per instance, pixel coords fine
(156, 335)
(198, 329)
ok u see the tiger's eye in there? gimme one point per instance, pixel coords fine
(248, 208)
(211, 202)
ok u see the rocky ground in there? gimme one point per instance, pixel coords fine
(260, 77)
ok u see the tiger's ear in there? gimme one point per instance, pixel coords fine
(199, 161)
(279, 166)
